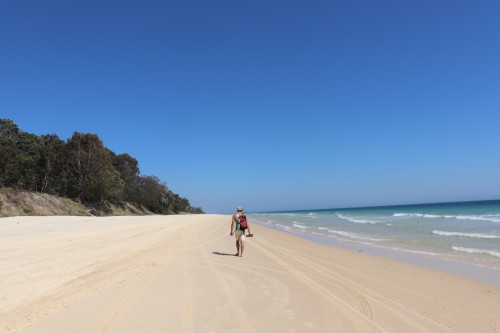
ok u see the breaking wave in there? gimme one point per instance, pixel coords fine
(355, 235)
(469, 250)
(487, 217)
(350, 219)
(464, 234)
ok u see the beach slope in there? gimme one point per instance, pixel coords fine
(179, 274)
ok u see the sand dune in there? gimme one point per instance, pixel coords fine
(178, 274)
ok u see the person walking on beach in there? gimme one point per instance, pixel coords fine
(239, 224)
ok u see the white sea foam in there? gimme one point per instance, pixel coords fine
(464, 234)
(350, 219)
(322, 228)
(278, 214)
(408, 214)
(355, 235)
(469, 250)
(427, 216)
(487, 217)
(300, 226)
(412, 251)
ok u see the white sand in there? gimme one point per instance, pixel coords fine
(177, 274)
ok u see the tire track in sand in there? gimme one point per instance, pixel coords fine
(114, 271)
(278, 293)
(122, 304)
(353, 289)
(231, 299)
(358, 318)
(373, 296)
(186, 283)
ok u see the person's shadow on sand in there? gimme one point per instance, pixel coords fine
(223, 254)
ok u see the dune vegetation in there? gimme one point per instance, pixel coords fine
(82, 172)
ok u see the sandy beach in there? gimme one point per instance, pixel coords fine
(179, 274)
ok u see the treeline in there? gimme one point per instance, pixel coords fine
(81, 168)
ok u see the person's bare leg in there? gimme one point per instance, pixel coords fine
(238, 248)
(242, 246)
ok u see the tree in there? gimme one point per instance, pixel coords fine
(148, 191)
(80, 168)
(25, 163)
(92, 176)
(8, 129)
(52, 175)
(9, 135)
(128, 167)
(20, 153)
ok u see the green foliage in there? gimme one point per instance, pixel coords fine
(92, 175)
(9, 137)
(22, 153)
(149, 192)
(81, 168)
(27, 210)
(128, 169)
(52, 171)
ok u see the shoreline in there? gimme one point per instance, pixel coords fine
(474, 271)
(179, 274)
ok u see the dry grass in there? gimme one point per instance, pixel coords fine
(14, 202)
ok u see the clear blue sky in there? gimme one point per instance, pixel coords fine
(273, 105)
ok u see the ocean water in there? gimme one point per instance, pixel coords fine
(467, 232)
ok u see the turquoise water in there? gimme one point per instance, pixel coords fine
(462, 231)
